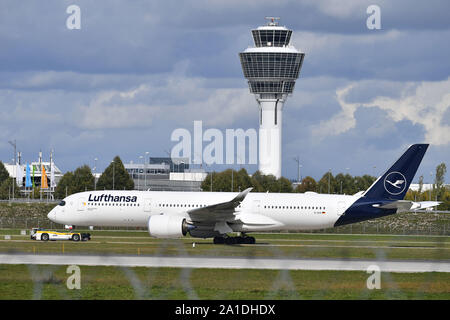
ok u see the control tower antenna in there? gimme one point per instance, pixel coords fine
(272, 21)
(271, 68)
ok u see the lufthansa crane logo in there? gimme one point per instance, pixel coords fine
(395, 183)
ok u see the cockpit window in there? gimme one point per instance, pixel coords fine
(62, 203)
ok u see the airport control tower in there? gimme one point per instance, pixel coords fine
(271, 68)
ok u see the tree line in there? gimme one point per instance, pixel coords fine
(6, 183)
(231, 180)
(115, 177)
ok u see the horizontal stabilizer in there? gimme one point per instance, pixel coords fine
(401, 205)
(425, 205)
(405, 205)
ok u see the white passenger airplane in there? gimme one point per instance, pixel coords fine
(215, 214)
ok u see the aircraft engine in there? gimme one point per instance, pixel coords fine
(162, 226)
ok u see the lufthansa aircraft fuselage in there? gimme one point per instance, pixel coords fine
(271, 211)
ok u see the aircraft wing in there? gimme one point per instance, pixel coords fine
(219, 212)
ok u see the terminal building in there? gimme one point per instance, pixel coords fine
(156, 174)
(165, 174)
(18, 172)
(37, 167)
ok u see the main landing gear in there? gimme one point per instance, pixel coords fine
(234, 240)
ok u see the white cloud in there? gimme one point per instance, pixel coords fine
(116, 109)
(339, 9)
(314, 43)
(423, 103)
(179, 100)
(340, 122)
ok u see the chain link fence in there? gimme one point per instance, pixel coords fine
(49, 281)
(440, 227)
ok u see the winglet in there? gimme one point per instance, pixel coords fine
(241, 196)
(211, 212)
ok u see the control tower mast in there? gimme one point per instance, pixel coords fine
(271, 68)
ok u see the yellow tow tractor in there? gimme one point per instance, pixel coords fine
(45, 235)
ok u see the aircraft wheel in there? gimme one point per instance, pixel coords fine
(230, 240)
(219, 240)
(248, 240)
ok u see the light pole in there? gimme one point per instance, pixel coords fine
(95, 176)
(138, 176)
(240, 161)
(347, 169)
(184, 170)
(329, 178)
(297, 159)
(13, 143)
(145, 169)
(431, 182)
(231, 180)
(114, 173)
(211, 176)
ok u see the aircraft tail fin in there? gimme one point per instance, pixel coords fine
(394, 183)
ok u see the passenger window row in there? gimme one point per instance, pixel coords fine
(183, 205)
(295, 207)
(113, 204)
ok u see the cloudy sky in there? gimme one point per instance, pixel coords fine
(138, 70)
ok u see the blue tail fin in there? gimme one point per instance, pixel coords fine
(394, 183)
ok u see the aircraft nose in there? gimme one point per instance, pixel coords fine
(52, 215)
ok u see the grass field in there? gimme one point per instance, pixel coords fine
(267, 245)
(49, 282)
